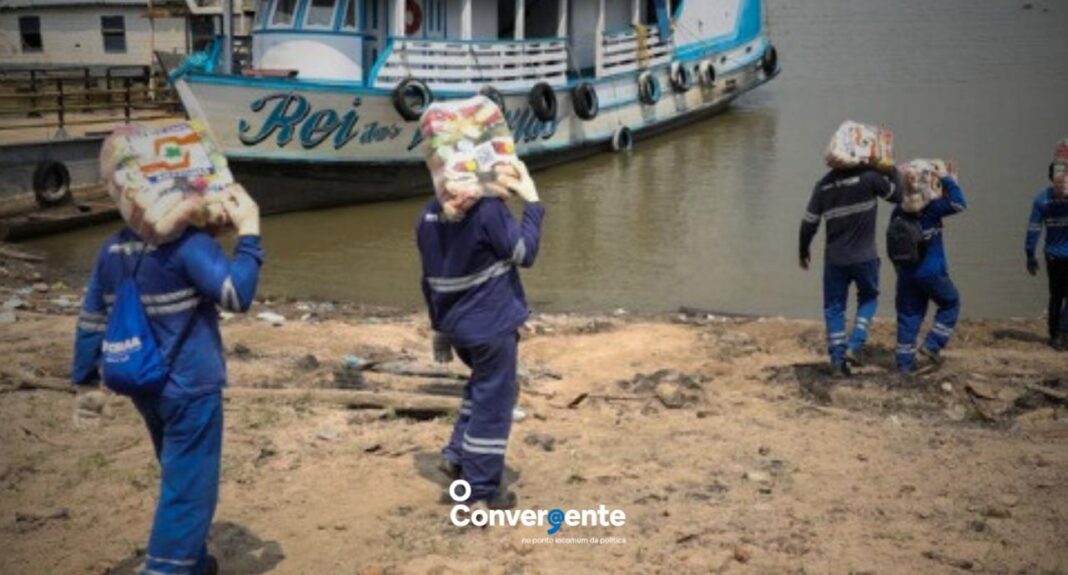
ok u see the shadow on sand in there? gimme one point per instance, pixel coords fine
(239, 551)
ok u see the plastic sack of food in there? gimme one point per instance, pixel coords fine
(922, 182)
(1059, 170)
(855, 144)
(164, 179)
(466, 140)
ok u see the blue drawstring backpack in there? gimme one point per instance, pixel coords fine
(132, 362)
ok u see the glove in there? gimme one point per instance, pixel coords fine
(442, 348)
(521, 184)
(89, 405)
(1032, 265)
(243, 211)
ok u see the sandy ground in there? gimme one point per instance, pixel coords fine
(723, 441)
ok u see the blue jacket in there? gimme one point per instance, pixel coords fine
(181, 281)
(470, 281)
(1051, 213)
(934, 260)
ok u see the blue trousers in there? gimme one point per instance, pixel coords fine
(913, 295)
(187, 436)
(836, 282)
(480, 437)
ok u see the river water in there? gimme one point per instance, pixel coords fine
(707, 216)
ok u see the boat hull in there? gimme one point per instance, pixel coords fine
(302, 145)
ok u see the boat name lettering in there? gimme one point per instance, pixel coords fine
(292, 115)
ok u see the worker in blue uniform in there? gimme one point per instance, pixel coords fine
(181, 282)
(476, 304)
(928, 281)
(1050, 212)
(847, 199)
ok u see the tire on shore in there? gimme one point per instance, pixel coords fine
(51, 184)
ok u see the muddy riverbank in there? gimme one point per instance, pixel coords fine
(721, 438)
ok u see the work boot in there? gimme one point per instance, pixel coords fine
(503, 499)
(450, 469)
(841, 371)
(1060, 343)
(932, 355)
(211, 566)
(852, 358)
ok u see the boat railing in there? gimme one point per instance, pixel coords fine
(633, 48)
(466, 65)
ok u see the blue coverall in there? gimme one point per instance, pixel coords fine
(475, 297)
(1051, 212)
(181, 284)
(847, 200)
(928, 281)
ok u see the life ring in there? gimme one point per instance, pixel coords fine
(706, 72)
(584, 99)
(681, 78)
(622, 139)
(413, 18)
(494, 96)
(51, 184)
(648, 88)
(543, 101)
(402, 94)
(769, 62)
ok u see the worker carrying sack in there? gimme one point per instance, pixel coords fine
(904, 240)
(132, 362)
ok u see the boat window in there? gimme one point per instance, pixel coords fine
(349, 22)
(262, 8)
(113, 29)
(320, 13)
(30, 32)
(283, 13)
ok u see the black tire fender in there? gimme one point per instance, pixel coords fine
(622, 139)
(584, 99)
(542, 100)
(411, 87)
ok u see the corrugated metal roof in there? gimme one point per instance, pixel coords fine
(20, 4)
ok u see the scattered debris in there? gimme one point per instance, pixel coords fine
(545, 441)
(276, 320)
(308, 363)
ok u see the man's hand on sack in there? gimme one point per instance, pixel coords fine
(89, 404)
(885, 165)
(1032, 266)
(243, 211)
(442, 347)
(516, 178)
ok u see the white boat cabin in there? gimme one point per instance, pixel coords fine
(462, 45)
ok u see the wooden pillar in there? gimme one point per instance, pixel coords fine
(598, 39)
(520, 19)
(466, 24)
(399, 19)
(561, 26)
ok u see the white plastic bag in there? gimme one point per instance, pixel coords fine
(855, 144)
(922, 182)
(466, 140)
(164, 179)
